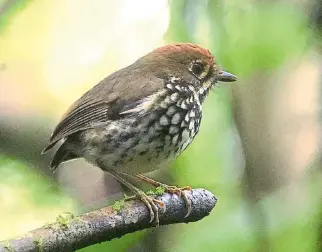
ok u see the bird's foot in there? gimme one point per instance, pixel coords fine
(151, 203)
(180, 191)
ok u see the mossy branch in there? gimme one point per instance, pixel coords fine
(69, 233)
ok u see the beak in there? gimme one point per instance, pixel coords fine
(226, 77)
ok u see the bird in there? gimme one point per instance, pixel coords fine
(141, 118)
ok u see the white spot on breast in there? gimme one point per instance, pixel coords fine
(185, 136)
(192, 113)
(192, 124)
(176, 118)
(173, 129)
(184, 105)
(175, 139)
(178, 87)
(191, 99)
(191, 88)
(186, 118)
(174, 97)
(171, 110)
(164, 120)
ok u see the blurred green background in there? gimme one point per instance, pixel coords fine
(258, 149)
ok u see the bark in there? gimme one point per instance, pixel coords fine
(70, 233)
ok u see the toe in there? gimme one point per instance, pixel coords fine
(150, 208)
(187, 202)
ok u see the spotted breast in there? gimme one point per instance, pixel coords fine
(155, 136)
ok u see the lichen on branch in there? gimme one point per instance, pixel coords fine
(70, 233)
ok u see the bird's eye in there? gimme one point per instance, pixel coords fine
(197, 69)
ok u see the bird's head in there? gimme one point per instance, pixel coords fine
(189, 63)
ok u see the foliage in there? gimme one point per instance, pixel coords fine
(14, 7)
(22, 190)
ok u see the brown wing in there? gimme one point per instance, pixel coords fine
(82, 115)
(106, 101)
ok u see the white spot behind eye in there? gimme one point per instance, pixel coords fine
(174, 79)
(170, 86)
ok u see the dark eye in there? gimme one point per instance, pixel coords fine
(197, 69)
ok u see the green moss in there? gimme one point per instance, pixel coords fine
(39, 244)
(158, 191)
(150, 192)
(10, 13)
(64, 220)
(47, 225)
(118, 205)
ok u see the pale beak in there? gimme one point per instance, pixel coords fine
(226, 77)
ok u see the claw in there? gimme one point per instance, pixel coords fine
(161, 204)
(152, 208)
(182, 194)
(187, 202)
(180, 191)
(147, 200)
(150, 203)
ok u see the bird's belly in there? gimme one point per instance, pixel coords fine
(152, 145)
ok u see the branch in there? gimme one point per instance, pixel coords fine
(71, 233)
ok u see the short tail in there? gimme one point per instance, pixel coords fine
(63, 154)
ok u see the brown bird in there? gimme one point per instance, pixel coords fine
(141, 117)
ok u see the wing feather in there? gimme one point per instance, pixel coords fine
(104, 103)
(79, 120)
(79, 117)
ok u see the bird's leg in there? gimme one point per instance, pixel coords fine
(147, 200)
(180, 191)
